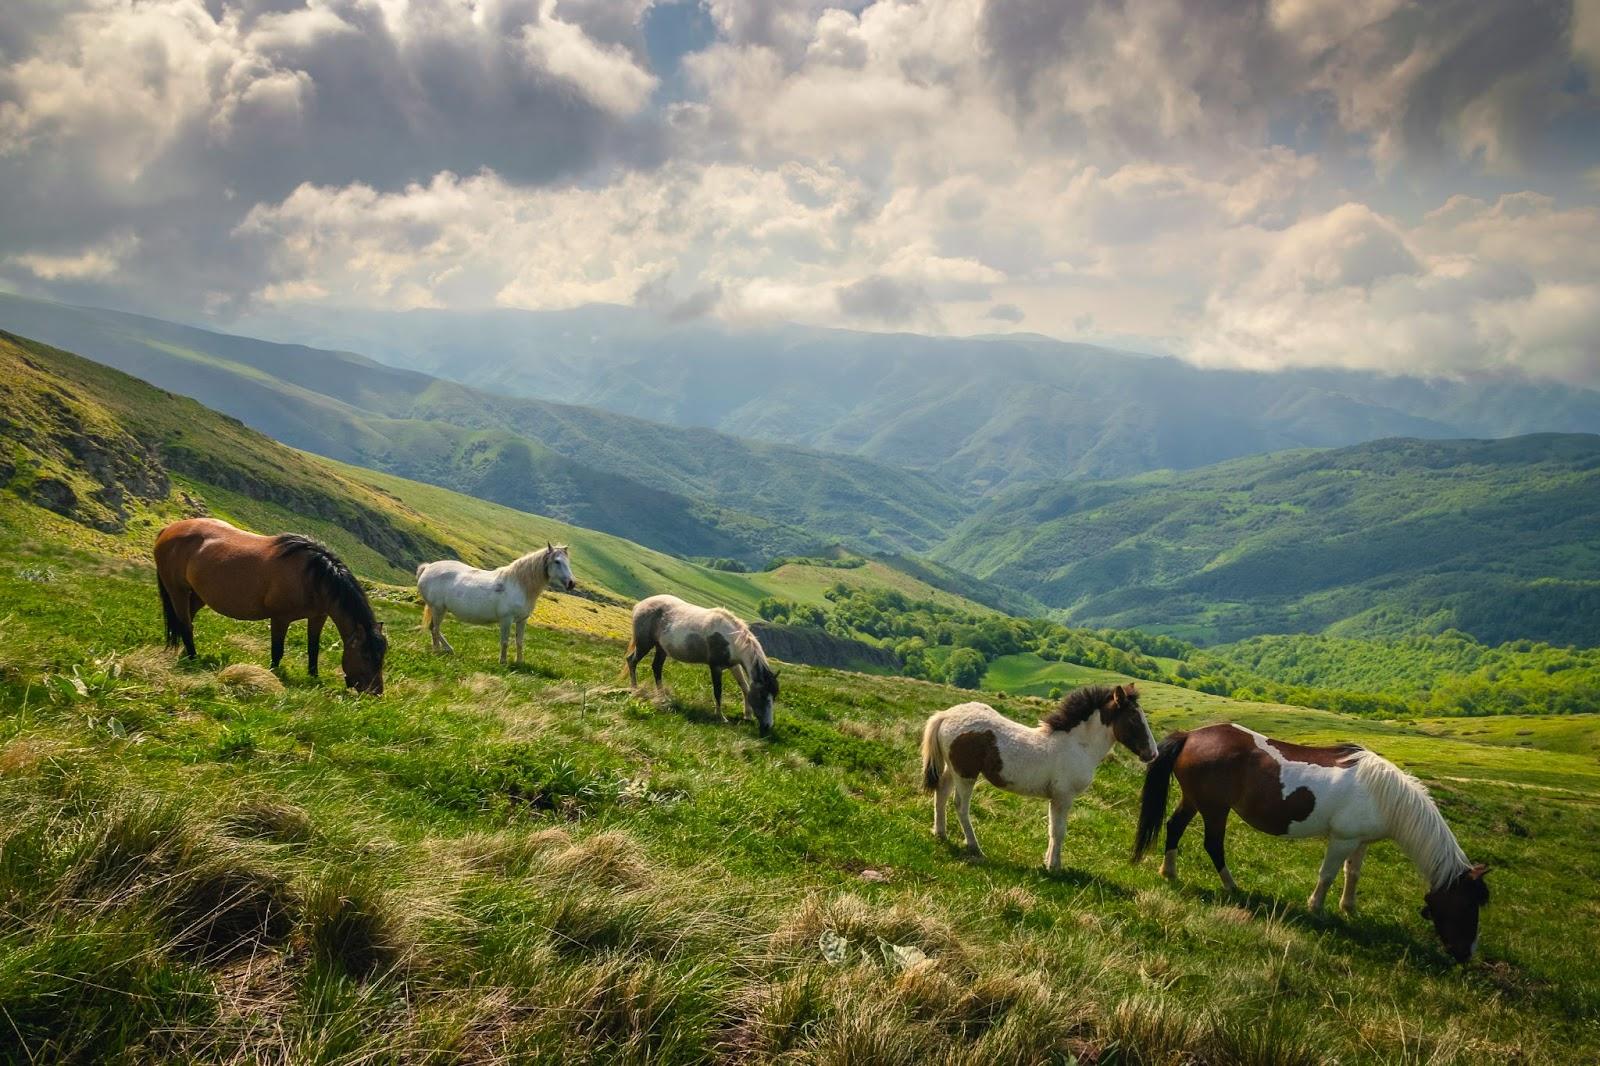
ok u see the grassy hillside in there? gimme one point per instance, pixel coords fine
(538, 865)
(115, 454)
(690, 492)
(1494, 538)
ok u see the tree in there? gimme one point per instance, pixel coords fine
(965, 668)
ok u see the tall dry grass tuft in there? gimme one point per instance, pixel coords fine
(356, 925)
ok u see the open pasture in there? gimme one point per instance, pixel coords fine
(536, 863)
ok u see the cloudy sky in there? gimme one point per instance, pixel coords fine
(1409, 186)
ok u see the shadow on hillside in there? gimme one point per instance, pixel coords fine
(1377, 938)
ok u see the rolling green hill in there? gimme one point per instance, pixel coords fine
(1498, 539)
(117, 455)
(686, 491)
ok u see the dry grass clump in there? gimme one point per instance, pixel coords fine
(269, 818)
(355, 924)
(910, 923)
(510, 853)
(160, 668)
(610, 858)
(24, 754)
(248, 678)
(213, 896)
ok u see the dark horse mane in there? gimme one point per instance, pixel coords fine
(1077, 706)
(331, 575)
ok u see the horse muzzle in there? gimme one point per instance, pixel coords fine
(571, 585)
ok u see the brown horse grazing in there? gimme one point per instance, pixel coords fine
(1347, 794)
(204, 562)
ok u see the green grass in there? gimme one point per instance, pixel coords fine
(1026, 674)
(537, 864)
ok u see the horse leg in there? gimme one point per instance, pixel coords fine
(1352, 874)
(716, 690)
(1216, 830)
(280, 630)
(314, 641)
(941, 800)
(183, 608)
(522, 624)
(194, 603)
(964, 786)
(1339, 849)
(505, 639)
(1059, 809)
(657, 663)
(1175, 826)
(636, 652)
(438, 632)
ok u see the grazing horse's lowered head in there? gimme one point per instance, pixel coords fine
(1453, 910)
(360, 632)
(763, 693)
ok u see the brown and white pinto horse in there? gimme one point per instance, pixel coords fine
(1347, 794)
(1055, 760)
(205, 562)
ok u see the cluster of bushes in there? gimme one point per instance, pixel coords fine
(939, 643)
(1444, 674)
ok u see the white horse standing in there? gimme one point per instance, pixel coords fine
(506, 595)
(1056, 759)
(712, 636)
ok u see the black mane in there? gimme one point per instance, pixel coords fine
(330, 573)
(1077, 706)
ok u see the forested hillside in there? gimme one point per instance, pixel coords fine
(1498, 539)
(984, 413)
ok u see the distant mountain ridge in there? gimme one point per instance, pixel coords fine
(1500, 539)
(982, 413)
(692, 492)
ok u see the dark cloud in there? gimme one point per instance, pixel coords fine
(884, 300)
(201, 119)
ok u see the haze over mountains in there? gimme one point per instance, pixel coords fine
(983, 413)
(983, 463)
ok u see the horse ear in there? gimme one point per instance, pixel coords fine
(1477, 871)
(549, 547)
(1132, 689)
(1118, 694)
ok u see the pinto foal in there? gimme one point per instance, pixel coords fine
(1056, 759)
(1345, 793)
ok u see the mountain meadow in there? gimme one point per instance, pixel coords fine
(207, 861)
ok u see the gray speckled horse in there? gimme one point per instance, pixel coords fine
(712, 636)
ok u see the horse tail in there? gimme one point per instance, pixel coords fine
(932, 755)
(427, 615)
(170, 613)
(1157, 782)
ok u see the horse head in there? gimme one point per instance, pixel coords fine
(1128, 723)
(1454, 909)
(763, 693)
(558, 566)
(363, 660)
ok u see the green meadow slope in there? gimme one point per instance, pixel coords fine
(204, 862)
(118, 455)
(691, 492)
(1494, 538)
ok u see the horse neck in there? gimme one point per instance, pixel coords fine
(344, 621)
(1091, 737)
(745, 649)
(531, 572)
(1413, 821)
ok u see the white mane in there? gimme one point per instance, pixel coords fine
(522, 570)
(1414, 820)
(744, 640)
